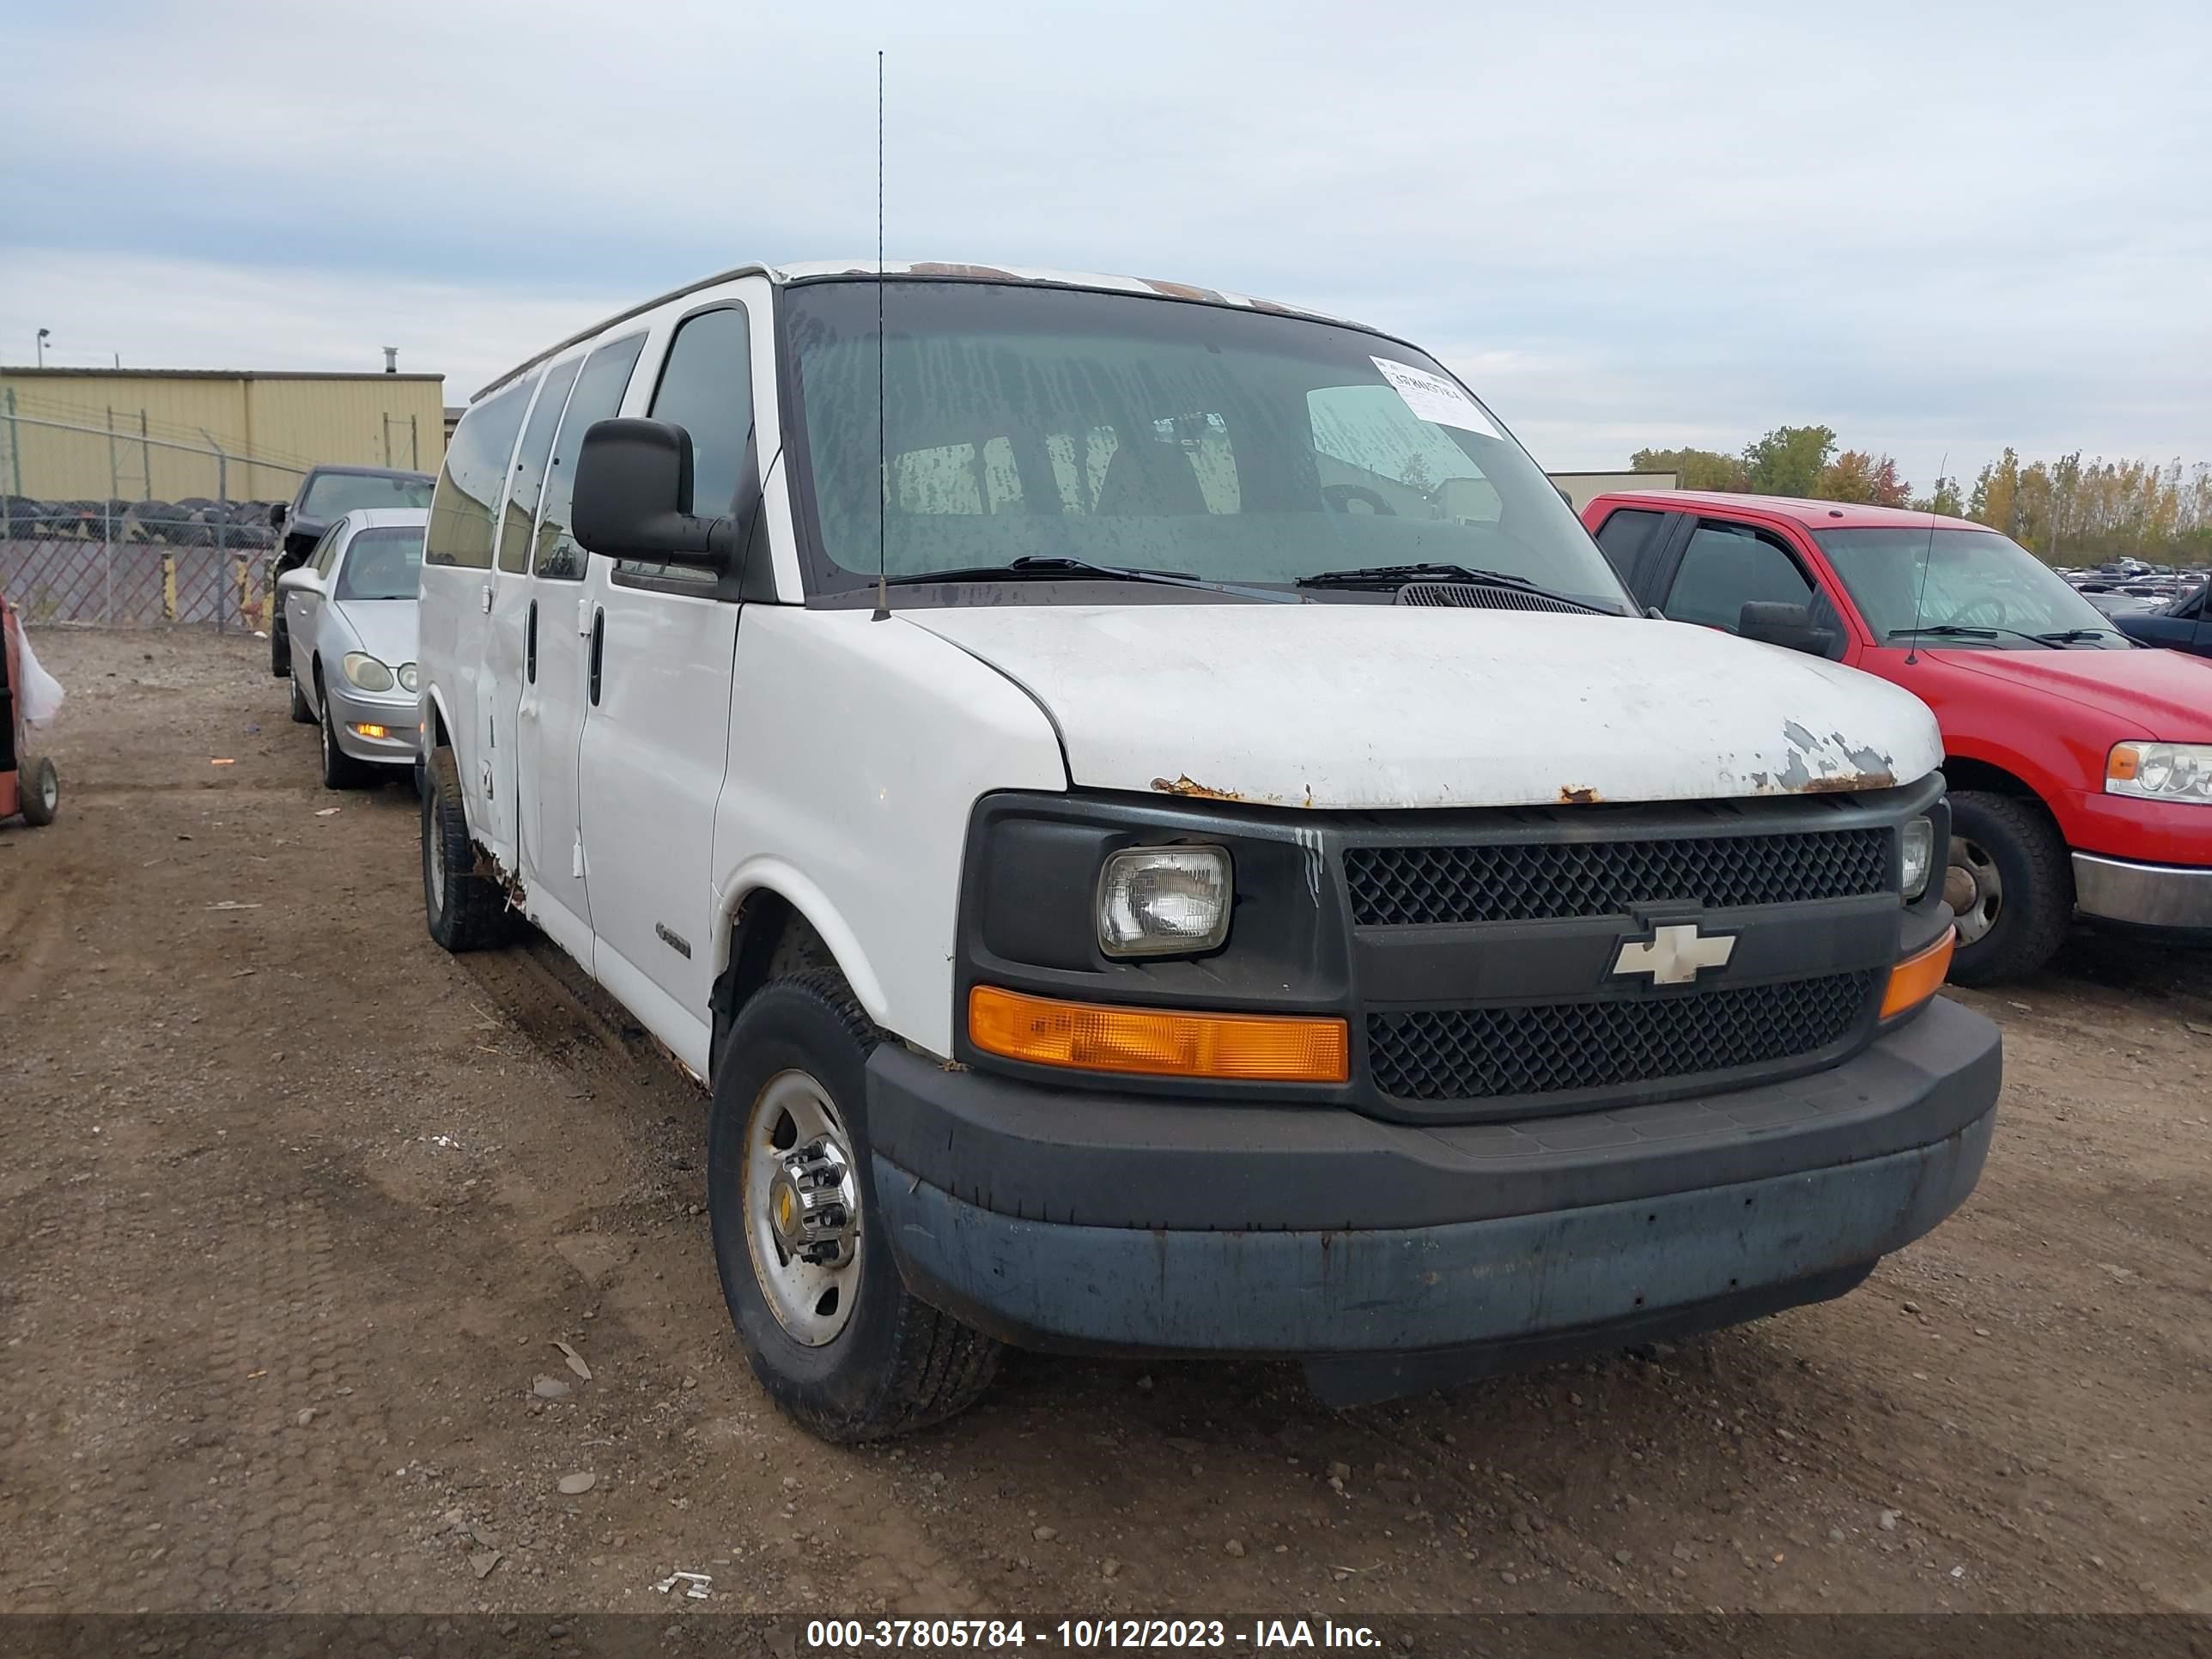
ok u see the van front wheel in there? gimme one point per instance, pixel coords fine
(824, 1318)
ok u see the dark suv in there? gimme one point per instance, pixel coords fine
(326, 495)
(2185, 624)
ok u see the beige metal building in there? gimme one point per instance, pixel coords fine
(212, 433)
(1583, 487)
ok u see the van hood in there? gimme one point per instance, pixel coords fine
(2166, 694)
(1360, 706)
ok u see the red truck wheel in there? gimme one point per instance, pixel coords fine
(2010, 884)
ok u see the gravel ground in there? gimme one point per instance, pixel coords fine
(296, 1213)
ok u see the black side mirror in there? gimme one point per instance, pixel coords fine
(277, 516)
(632, 498)
(1789, 626)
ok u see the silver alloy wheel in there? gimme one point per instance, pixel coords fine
(329, 742)
(802, 1208)
(1973, 887)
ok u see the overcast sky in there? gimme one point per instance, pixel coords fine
(1936, 227)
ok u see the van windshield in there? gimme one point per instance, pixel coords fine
(1236, 445)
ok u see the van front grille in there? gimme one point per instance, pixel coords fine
(1399, 886)
(1482, 1054)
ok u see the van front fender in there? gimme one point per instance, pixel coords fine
(806, 898)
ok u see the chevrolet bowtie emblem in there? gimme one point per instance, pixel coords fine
(1674, 954)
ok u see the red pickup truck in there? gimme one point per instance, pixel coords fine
(2080, 764)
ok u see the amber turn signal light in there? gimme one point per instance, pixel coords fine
(1156, 1042)
(1919, 976)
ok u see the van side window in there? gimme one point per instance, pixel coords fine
(597, 396)
(530, 466)
(460, 531)
(1725, 566)
(706, 388)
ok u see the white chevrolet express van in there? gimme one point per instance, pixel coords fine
(1163, 833)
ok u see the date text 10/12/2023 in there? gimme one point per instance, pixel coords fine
(1081, 1635)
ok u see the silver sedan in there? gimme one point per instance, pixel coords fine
(350, 611)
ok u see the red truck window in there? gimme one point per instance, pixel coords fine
(1726, 567)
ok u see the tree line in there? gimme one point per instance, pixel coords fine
(2069, 511)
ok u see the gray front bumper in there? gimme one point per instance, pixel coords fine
(1058, 1222)
(2163, 895)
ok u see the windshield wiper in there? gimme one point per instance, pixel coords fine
(1045, 568)
(1393, 576)
(1955, 631)
(2067, 636)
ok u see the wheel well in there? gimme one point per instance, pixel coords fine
(768, 939)
(1961, 773)
(438, 738)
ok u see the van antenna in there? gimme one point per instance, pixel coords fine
(883, 464)
(1920, 598)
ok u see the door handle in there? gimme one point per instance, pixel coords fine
(598, 651)
(530, 644)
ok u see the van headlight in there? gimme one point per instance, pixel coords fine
(1164, 900)
(367, 672)
(2161, 771)
(1919, 855)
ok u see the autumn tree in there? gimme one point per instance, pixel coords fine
(2072, 508)
(1694, 469)
(1788, 460)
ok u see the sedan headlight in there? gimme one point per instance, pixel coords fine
(1919, 854)
(1164, 900)
(364, 672)
(407, 677)
(2161, 771)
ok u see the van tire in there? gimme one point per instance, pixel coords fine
(465, 912)
(280, 648)
(2023, 847)
(897, 1364)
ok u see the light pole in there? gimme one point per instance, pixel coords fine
(44, 334)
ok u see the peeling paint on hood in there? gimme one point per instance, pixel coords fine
(1356, 706)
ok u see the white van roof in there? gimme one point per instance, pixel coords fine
(923, 271)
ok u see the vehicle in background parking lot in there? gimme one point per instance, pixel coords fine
(2080, 766)
(2182, 623)
(323, 494)
(351, 610)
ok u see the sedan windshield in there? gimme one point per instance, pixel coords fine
(1980, 589)
(333, 493)
(382, 564)
(1229, 445)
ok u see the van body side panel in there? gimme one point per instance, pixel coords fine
(841, 765)
(454, 613)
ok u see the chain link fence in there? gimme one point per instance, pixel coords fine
(168, 542)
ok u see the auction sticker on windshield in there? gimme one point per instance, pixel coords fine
(1435, 399)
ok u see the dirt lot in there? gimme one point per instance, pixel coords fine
(294, 1209)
